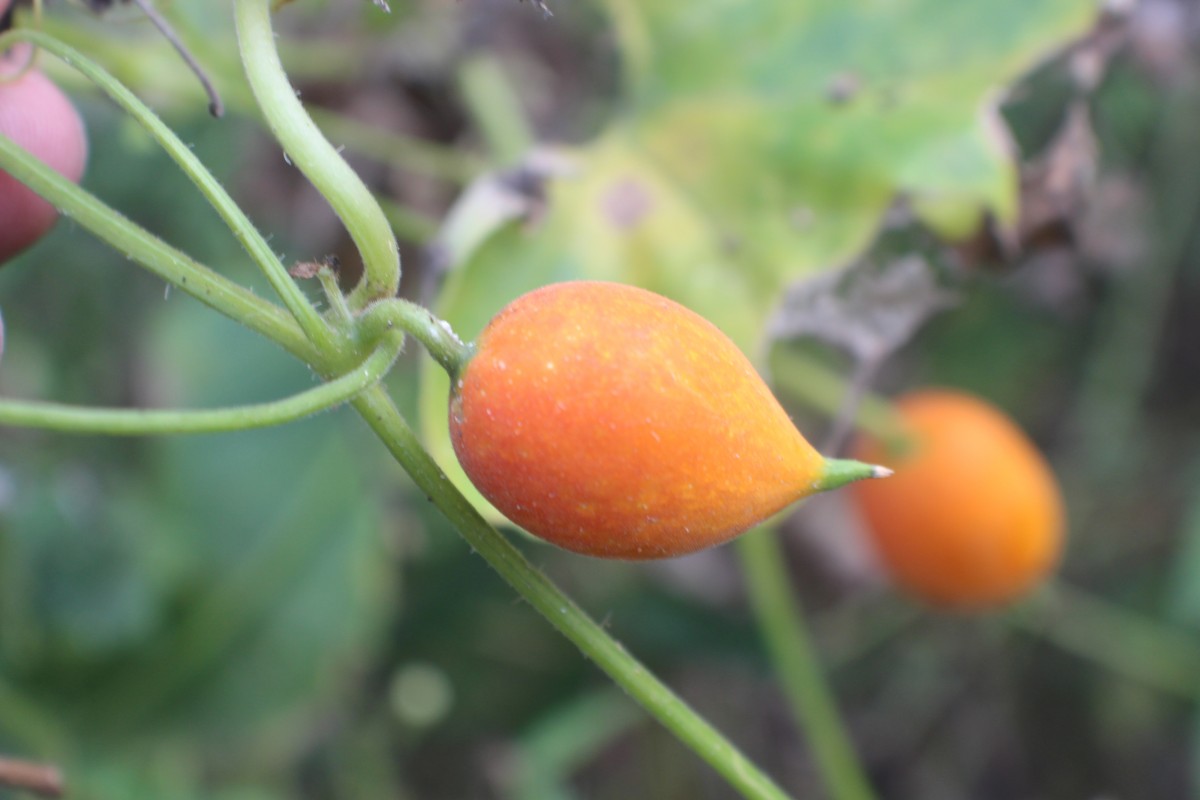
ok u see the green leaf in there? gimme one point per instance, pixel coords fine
(76, 583)
(225, 594)
(282, 528)
(818, 113)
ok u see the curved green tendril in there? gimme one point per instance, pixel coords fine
(138, 422)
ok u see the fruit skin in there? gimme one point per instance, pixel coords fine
(973, 516)
(614, 422)
(36, 115)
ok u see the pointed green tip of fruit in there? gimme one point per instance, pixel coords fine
(840, 471)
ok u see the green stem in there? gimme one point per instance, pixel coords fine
(1118, 373)
(496, 109)
(383, 417)
(249, 237)
(636, 44)
(1120, 640)
(403, 152)
(435, 334)
(333, 295)
(165, 261)
(126, 422)
(412, 226)
(315, 156)
(777, 610)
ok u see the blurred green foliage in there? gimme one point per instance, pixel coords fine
(278, 614)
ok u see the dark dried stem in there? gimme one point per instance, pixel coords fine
(215, 106)
(860, 381)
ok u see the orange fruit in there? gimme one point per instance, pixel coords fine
(973, 516)
(614, 422)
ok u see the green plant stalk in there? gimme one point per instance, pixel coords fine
(247, 235)
(403, 152)
(381, 414)
(637, 46)
(333, 295)
(1121, 363)
(160, 258)
(789, 644)
(137, 422)
(316, 157)
(496, 109)
(1122, 641)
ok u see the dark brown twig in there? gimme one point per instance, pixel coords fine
(215, 106)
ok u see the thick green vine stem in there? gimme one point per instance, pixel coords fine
(320, 162)
(251, 240)
(383, 417)
(138, 422)
(777, 610)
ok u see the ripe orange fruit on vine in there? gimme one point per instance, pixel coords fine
(973, 516)
(614, 422)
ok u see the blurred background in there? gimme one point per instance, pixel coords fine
(280, 614)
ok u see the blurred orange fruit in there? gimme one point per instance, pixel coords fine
(973, 516)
